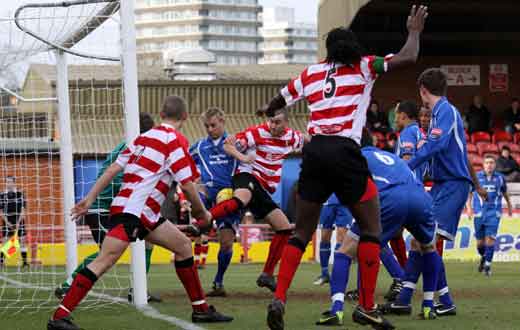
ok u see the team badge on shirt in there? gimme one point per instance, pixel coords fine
(436, 133)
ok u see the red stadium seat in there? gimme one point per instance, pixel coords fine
(487, 148)
(480, 137)
(472, 149)
(502, 136)
(516, 137)
(475, 160)
(467, 136)
(513, 146)
(477, 167)
(517, 158)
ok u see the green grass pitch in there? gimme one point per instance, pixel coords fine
(483, 303)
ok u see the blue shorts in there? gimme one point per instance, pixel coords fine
(407, 206)
(335, 214)
(230, 222)
(449, 198)
(486, 226)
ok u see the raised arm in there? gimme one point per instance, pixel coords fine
(410, 52)
(509, 205)
(81, 207)
(231, 149)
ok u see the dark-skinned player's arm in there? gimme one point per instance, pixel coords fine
(410, 52)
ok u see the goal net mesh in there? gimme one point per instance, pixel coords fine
(30, 143)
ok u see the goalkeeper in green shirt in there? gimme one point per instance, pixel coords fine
(99, 213)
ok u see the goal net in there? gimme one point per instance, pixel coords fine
(33, 216)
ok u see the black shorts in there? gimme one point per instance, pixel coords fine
(128, 227)
(332, 164)
(98, 224)
(9, 231)
(261, 203)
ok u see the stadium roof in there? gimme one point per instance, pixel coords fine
(254, 72)
(458, 28)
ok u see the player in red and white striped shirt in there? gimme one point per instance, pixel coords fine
(152, 163)
(337, 92)
(261, 150)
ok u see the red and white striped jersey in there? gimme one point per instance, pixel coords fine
(270, 151)
(338, 95)
(152, 162)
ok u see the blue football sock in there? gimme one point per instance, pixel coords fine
(324, 258)
(412, 271)
(391, 265)
(339, 280)
(224, 259)
(432, 264)
(481, 250)
(490, 250)
(442, 287)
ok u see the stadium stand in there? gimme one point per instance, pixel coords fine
(479, 137)
(485, 148)
(502, 136)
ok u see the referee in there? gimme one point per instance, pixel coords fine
(12, 204)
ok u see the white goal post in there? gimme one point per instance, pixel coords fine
(53, 30)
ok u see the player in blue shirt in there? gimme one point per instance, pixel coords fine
(333, 214)
(450, 170)
(216, 168)
(404, 203)
(487, 212)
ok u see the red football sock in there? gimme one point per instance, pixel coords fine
(399, 248)
(197, 251)
(291, 258)
(368, 256)
(275, 250)
(187, 273)
(440, 246)
(79, 288)
(225, 208)
(204, 252)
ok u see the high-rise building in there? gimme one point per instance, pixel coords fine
(287, 41)
(227, 28)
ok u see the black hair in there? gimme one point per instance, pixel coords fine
(506, 148)
(435, 81)
(146, 122)
(343, 47)
(409, 108)
(366, 138)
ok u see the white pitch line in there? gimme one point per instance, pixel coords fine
(147, 310)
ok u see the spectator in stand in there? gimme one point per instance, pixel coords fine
(512, 117)
(376, 118)
(391, 115)
(508, 166)
(425, 115)
(478, 116)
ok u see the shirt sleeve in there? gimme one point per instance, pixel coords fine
(293, 92)
(438, 138)
(503, 184)
(194, 152)
(124, 156)
(374, 66)
(407, 143)
(181, 165)
(245, 139)
(298, 140)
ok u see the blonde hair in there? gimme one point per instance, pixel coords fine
(212, 112)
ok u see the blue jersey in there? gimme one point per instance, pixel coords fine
(333, 200)
(215, 165)
(387, 169)
(495, 186)
(407, 143)
(445, 145)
